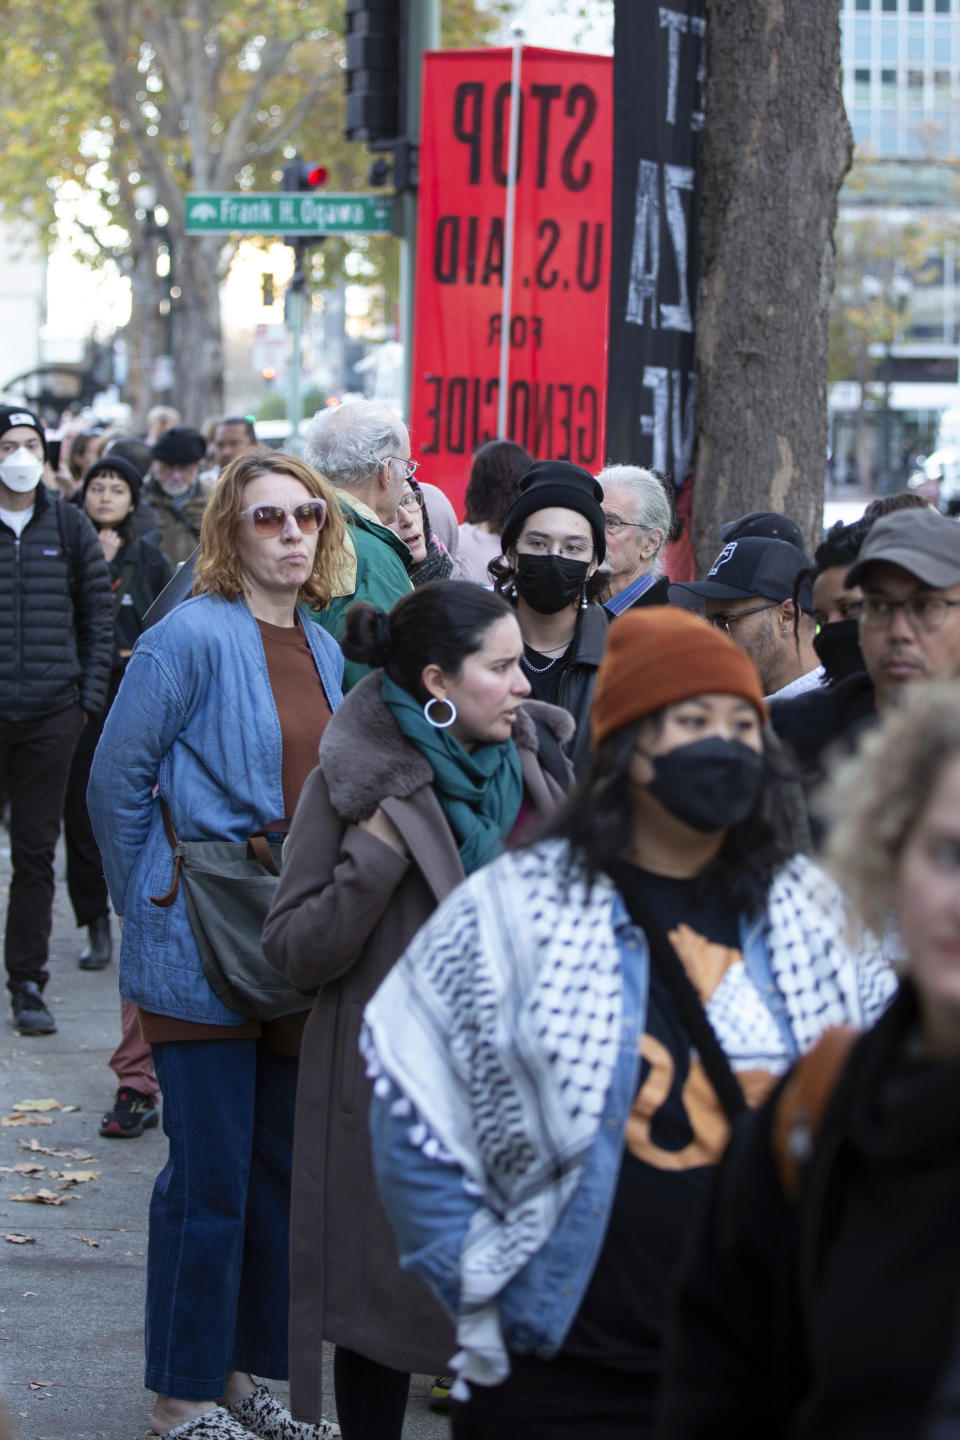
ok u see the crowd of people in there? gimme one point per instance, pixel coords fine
(574, 955)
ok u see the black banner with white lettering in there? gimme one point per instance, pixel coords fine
(659, 82)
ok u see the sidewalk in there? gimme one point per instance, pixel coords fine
(71, 1300)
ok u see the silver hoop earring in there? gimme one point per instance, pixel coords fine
(439, 724)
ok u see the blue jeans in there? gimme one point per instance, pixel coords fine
(217, 1263)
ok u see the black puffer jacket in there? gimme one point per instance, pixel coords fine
(56, 616)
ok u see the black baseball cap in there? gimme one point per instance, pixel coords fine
(924, 542)
(764, 525)
(750, 567)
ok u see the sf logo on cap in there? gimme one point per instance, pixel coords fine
(727, 553)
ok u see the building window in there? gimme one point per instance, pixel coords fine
(861, 86)
(941, 80)
(889, 5)
(863, 4)
(942, 7)
(888, 87)
(915, 7)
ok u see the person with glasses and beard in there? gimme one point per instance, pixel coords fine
(211, 736)
(553, 540)
(748, 594)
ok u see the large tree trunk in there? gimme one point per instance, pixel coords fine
(197, 335)
(776, 147)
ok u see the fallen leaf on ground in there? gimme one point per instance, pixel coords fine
(77, 1177)
(26, 1106)
(40, 1384)
(12, 1238)
(26, 1120)
(69, 1109)
(27, 1167)
(36, 1148)
(40, 1197)
(94, 1244)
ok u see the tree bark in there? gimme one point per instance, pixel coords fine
(197, 335)
(776, 147)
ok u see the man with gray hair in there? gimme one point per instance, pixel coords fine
(637, 517)
(364, 451)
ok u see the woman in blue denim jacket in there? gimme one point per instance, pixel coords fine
(561, 1052)
(219, 716)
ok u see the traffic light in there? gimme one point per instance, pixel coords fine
(300, 175)
(376, 41)
(266, 287)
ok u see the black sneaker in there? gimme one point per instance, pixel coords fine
(132, 1113)
(30, 1015)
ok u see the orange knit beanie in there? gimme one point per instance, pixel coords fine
(658, 655)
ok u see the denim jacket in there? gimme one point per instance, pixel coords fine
(195, 722)
(431, 1207)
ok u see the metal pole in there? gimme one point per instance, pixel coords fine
(510, 227)
(949, 291)
(295, 297)
(423, 33)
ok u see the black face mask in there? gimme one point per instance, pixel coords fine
(710, 784)
(548, 583)
(838, 649)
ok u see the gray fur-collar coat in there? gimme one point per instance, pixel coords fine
(346, 907)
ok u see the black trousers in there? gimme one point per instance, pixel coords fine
(560, 1399)
(371, 1398)
(86, 885)
(35, 760)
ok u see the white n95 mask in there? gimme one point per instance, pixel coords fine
(21, 471)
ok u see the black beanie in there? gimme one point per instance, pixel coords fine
(12, 415)
(116, 465)
(557, 482)
(181, 445)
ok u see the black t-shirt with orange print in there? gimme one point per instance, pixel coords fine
(675, 1132)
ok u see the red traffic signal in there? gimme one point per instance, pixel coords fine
(299, 175)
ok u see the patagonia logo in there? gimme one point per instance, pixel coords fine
(127, 600)
(50, 550)
(727, 553)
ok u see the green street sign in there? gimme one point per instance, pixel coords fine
(288, 214)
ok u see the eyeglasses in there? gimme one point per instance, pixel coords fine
(269, 520)
(923, 612)
(725, 618)
(410, 467)
(413, 501)
(613, 524)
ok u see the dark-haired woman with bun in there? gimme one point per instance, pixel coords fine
(430, 768)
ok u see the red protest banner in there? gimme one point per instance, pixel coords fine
(556, 384)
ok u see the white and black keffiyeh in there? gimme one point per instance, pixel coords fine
(501, 1022)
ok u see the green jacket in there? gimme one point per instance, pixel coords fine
(380, 578)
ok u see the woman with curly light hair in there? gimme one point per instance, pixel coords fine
(822, 1298)
(213, 732)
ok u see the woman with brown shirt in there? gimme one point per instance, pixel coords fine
(218, 717)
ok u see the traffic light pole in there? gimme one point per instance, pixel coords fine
(423, 33)
(295, 304)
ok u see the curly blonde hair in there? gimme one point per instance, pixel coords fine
(875, 798)
(218, 565)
